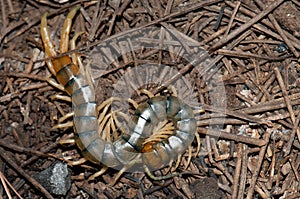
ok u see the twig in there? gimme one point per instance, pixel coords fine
(237, 170)
(288, 146)
(232, 17)
(258, 165)
(230, 136)
(244, 27)
(4, 182)
(249, 55)
(286, 99)
(243, 176)
(19, 170)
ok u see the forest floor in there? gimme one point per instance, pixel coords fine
(235, 63)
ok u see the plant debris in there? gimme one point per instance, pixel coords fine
(237, 59)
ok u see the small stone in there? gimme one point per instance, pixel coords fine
(56, 179)
(286, 168)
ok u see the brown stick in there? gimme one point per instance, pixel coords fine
(237, 170)
(258, 166)
(247, 25)
(287, 100)
(19, 170)
(229, 136)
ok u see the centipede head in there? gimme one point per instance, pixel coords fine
(155, 156)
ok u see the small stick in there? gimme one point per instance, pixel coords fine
(246, 26)
(258, 165)
(250, 55)
(23, 173)
(286, 99)
(288, 146)
(237, 171)
(243, 176)
(230, 136)
(219, 19)
(232, 17)
(29, 66)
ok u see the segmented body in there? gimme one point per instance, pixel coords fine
(131, 148)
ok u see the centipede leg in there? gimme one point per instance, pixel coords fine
(147, 170)
(68, 159)
(125, 168)
(198, 143)
(173, 90)
(64, 125)
(76, 162)
(61, 97)
(97, 174)
(177, 163)
(66, 141)
(116, 178)
(134, 104)
(105, 127)
(164, 130)
(65, 117)
(145, 91)
(54, 83)
(189, 157)
(107, 120)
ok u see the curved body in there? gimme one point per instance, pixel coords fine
(138, 146)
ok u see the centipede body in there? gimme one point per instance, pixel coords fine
(133, 147)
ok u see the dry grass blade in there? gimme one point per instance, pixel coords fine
(5, 182)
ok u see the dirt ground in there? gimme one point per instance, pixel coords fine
(235, 63)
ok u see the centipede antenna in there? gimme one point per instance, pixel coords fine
(49, 46)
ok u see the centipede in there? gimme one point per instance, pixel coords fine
(131, 148)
